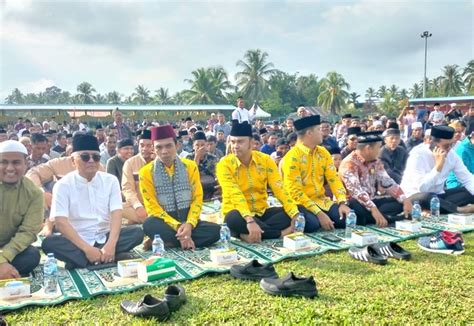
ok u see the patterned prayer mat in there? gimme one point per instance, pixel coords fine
(82, 283)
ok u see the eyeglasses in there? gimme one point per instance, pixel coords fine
(86, 157)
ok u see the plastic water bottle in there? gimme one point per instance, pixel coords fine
(225, 236)
(351, 221)
(217, 207)
(434, 206)
(416, 212)
(50, 275)
(158, 246)
(300, 223)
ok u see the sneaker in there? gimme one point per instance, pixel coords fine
(290, 285)
(253, 271)
(442, 243)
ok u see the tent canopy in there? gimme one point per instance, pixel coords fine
(260, 113)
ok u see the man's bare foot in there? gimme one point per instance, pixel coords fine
(468, 209)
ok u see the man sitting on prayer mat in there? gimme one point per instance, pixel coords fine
(173, 196)
(87, 209)
(21, 213)
(244, 176)
(306, 167)
(365, 177)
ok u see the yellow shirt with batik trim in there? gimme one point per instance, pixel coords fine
(304, 173)
(150, 200)
(244, 188)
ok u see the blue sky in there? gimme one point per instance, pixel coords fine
(116, 45)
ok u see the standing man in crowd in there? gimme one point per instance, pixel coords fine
(221, 125)
(123, 131)
(241, 114)
(21, 213)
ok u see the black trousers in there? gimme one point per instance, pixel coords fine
(64, 250)
(203, 235)
(312, 222)
(449, 201)
(26, 260)
(387, 206)
(272, 222)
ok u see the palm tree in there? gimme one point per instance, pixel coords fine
(468, 74)
(203, 88)
(416, 91)
(252, 80)
(113, 97)
(333, 92)
(382, 91)
(353, 98)
(221, 82)
(403, 94)
(85, 95)
(16, 97)
(393, 90)
(389, 105)
(370, 93)
(435, 86)
(452, 81)
(162, 96)
(141, 95)
(100, 99)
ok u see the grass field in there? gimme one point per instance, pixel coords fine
(432, 288)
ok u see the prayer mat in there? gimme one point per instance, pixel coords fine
(82, 283)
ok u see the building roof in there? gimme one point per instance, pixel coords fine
(442, 99)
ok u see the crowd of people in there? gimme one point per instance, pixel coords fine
(96, 193)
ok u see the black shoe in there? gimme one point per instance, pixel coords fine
(148, 306)
(290, 285)
(367, 254)
(391, 250)
(253, 271)
(175, 296)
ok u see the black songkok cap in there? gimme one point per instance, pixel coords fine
(369, 137)
(199, 135)
(84, 142)
(241, 129)
(146, 134)
(353, 131)
(124, 142)
(307, 122)
(442, 132)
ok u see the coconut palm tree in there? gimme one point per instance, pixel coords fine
(403, 93)
(162, 96)
(141, 95)
(84, 95)
(114, 97)
(416, 91)
(394, 91)
(452, 81)
(435, 86)
(334, 93)
(100, 99)
(252, 80)
(16, 97)
(203, 88)
(468, 75)
(221, 83)
(370, 93)
(382, 91)
(353, 98)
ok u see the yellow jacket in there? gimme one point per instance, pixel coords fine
(304, 174)
(150, 201)
(245, 188)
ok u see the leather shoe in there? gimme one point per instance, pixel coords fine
(254, 271)
(175, 297)
(148, 306)
(290, 285)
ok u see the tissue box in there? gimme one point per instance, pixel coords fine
(129, 267)
(15, 288)
(411, 226)
(296, 241)
(224, 256)
(363, 238)
(460, 219)
(156, 268)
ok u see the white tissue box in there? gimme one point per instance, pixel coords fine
(224, 256)
(296, 241)
(460, 219)
(411, 226)
(128, 268)
(363, 238)
(15, 288)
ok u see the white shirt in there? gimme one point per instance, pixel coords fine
(87, 205)
(437, 117)
(242, 114)
(421, 176)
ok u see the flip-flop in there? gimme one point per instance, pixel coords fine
(391, 250)
(368, 254)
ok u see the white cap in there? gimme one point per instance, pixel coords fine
(377, 123)
(453, 104)
(416, 124)
(12, 146)
(427, 132)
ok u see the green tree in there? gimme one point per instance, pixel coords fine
(85, 93)
(452, 81)
(16, 97)
(141, 95)
(31, 98)
(403, 94)
(353, 98)
(162, 96)
(114, 97)
(394, 91)
(252, 80)
(52, 95)
(334, 93)
(65, 98)
(221, 83)
(389, 105)
(468, 75)
(308, 89)
(416, 91)
(208, 86)
(100, 99)
(382, 91)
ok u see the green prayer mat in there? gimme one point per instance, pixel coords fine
(82, 283)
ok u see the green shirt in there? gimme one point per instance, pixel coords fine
(21, 215)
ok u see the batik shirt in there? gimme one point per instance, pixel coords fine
(363, 179)
(207, 165)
